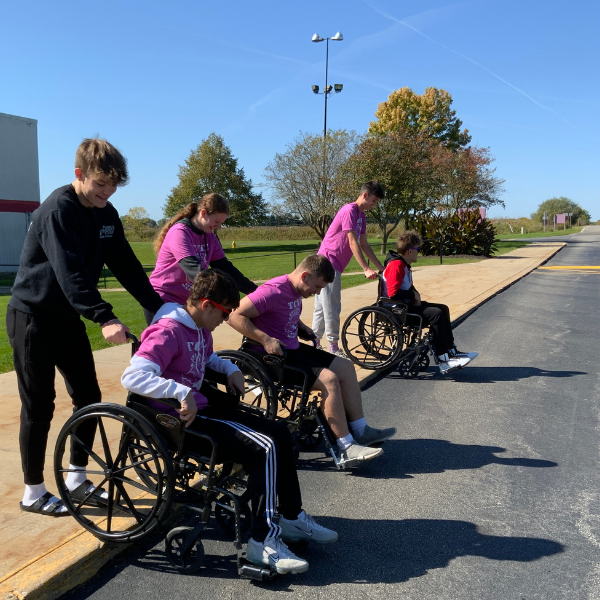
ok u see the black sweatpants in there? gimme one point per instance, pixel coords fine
(41, 344)
(437, 316)
(265, 450)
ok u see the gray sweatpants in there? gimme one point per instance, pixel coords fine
(328, 305)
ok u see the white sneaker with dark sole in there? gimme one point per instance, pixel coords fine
(355, 454)
(273, 553)
(306, 529)
(448, 364)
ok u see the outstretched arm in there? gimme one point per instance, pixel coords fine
(241, 320)
(364, 244)
(358, 254)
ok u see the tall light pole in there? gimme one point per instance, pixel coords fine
(338, 87)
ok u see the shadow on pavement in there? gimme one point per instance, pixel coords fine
(472, 374)
(379, 551)
(404, 458)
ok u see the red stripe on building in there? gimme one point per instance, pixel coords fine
(18, 206)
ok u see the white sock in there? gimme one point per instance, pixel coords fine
(33, 492)
(76, 477)
(358, 427)
(443, 357)
(345, 441)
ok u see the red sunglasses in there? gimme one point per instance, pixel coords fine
(227, 311)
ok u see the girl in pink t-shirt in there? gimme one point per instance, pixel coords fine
(188, 244)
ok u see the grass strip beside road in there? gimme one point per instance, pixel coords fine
(536, 234)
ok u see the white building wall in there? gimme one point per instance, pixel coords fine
(19, 166)
(19, 180)
(13, 227)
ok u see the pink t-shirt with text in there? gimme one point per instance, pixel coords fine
(180, 352)
(168, 278)
(280, 306)
(335, 245)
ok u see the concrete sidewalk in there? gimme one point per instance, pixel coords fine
(43, 557)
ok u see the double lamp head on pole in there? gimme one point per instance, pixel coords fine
(337, 87)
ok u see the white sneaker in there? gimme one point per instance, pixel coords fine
(447, 363)
(306, 529)
(273, 553)
(456, 353)
(354, 454)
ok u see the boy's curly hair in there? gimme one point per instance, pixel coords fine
(215, 285)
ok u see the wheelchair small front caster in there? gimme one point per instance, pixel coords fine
(423, 361)
(309, 435)
(409, 367)
(185, 557)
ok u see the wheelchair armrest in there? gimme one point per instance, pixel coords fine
(250, 410)
(272, 360)
(133, 397)
(305, 336)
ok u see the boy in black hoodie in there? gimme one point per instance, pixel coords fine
(72, 235)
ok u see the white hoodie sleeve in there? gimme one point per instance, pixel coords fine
(221, 365)
(143, 377)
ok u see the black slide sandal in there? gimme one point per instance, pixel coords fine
(95, 499)
(38, 505)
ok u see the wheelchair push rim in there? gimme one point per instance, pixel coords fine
(129, 461)
(372, 338)
(259, 387)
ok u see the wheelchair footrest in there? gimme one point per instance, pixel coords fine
(252, 571)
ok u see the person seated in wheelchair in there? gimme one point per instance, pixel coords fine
(398, 285)
(271, 316)
(174, 353)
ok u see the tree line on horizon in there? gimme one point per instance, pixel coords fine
(416, 148)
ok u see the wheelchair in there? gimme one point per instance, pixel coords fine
(385, 335)
(139, 458)
(280, 391)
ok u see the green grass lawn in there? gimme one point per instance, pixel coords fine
(262, 260)
(537, 234)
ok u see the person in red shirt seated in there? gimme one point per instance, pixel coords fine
(398, 285)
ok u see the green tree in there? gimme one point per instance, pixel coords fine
(306, 177)
(211, 167)
(558, 205)
(429, 113)
(137, 220)
(463, 179)
(400, 161)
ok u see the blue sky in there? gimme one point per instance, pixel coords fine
(156, 78)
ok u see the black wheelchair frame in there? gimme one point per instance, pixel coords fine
(385, 335)
(294, 404)
(140, 460)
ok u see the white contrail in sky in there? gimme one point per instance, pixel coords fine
(514, 87)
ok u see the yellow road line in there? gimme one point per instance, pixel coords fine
(573, 267)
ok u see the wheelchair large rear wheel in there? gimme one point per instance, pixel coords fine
(372, 337)
(259, 387)
(129, 461)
